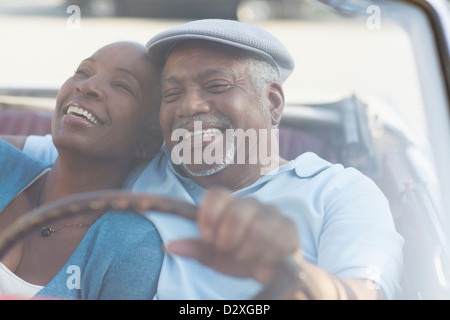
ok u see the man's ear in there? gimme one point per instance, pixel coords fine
(276, 98)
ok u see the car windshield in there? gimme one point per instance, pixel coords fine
(367, 75)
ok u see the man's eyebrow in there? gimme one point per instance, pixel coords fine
(211, 72)
(171, 79)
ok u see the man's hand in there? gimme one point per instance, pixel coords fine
(240, 237)
(244, 237)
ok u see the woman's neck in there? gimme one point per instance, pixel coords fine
(71, 175)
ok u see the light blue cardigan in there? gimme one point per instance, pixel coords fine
(119, 258)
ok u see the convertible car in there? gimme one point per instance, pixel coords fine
(371, 91)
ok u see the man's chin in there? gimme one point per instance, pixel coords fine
(203, 170)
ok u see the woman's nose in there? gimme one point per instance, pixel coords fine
(90, 88)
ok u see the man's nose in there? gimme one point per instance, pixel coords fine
(193, 103)
(90, 88)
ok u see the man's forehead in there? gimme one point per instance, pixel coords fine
(204, 46)
(212, 59)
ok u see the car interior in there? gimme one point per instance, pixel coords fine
(342, 132)
(353, 129)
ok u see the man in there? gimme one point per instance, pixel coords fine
(221, 80)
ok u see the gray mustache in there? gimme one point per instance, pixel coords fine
(209, 121)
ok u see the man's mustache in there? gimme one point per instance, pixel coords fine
(223, 122)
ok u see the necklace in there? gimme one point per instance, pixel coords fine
(46, 230)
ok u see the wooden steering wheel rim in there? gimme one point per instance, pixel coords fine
(290, 274)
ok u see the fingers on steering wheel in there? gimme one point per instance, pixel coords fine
(254, 233)
(284, 240)
(237, 220)
(259, 246)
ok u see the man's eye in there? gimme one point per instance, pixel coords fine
(171, 94)
(218, 87)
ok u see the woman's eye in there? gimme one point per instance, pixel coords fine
(124, 87)
(82, 73)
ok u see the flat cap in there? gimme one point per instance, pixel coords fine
(229, 32)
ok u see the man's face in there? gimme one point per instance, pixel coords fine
(206, 91)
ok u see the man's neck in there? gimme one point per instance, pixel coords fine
(235, 177)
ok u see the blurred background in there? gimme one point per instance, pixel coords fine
(184, 9)
(337, 54)
(44, 40)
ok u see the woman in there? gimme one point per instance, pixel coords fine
(104, 124)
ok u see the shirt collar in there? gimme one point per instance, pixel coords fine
(306, 165)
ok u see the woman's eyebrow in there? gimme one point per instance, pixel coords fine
(88, 60)
(129, 73)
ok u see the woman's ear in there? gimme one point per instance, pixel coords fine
(150, 147)
(141, 153)
(276, 98)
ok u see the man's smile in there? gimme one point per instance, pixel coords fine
(204, 134)
(201, 131)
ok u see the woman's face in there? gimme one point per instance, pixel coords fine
(102, 110)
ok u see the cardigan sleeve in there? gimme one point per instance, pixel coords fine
(17, 170)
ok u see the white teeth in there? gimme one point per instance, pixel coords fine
(205, 134)
(77, 111)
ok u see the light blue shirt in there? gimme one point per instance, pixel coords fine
(343, 220)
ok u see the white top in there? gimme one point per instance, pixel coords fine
(13, 286)
(10, 283)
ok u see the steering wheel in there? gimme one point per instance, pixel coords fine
(290, 275)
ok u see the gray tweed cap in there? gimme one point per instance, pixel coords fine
(229, 32)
